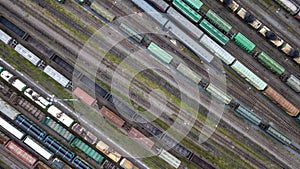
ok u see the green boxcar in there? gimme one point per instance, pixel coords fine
(187, 11)
(213, 32)
(269, 63)
(160, 53)
(218, 21)
(87, 150)
(196, 4)
(243, 42)
(102, 11)
(60, 130)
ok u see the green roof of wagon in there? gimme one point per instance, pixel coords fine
(243, 42)
(269, 63)
(214, 32)
(160, 53)
(188, 11)
(196, 4)
(218, 21)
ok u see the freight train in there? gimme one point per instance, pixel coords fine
(129, 112)
(266, 32)
(41, 135)
(243, 42)
(237, 66)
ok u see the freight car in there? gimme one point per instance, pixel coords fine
(232, 5)
(169, 143)
(271, 36)
(213, 32)
(289, 5)
(126, 164)
(60, 116)
(278, 99)
(81, 164)
(267, 33)
(248, 115)
(86, 135)
(195, 4)
(56, 147)
(58, 77)
(126, 112)
(148, 126)
(28, 55)
(159, 18)
(140, 138)
(189, 42)
(111, 116)
(243, 42)
(60, 164)
(60, 130)
(3, 138)
(37, 98)
(86, 149)
(269, 63)
(105, 13)
(187, 72)
(159, 4)
(294, 83)
(218, 93)
(4, 37)
(84, 96)
(217, 50)
(16, 83)
(169, 158)
(253, 79)
(249, 18)
(21, 153)
(278, 135)
(13, 28)
(187, 10)
(190, 28)
(109, 152)
(33, 110)
(11, 129)
(217, 21)
(41, 150)
(41, 165)
(7, 110)
(131, 33)
(160, 53)
(30, 127)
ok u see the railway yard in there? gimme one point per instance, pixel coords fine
(138, 84)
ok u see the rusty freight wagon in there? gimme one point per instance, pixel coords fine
(111, 117)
